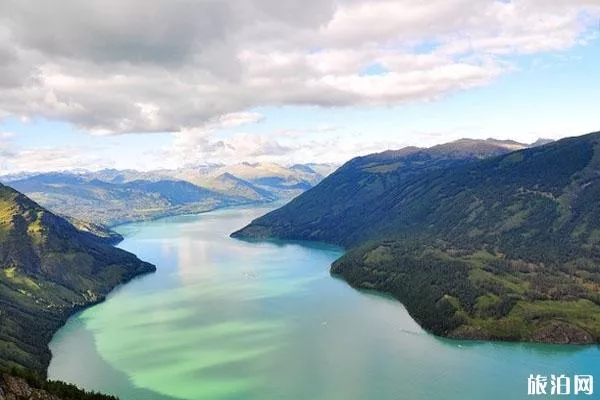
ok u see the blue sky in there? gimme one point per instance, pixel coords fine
(494, 89)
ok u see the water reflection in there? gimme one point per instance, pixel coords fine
(230, 319)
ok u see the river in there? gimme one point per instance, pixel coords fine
(227, 319)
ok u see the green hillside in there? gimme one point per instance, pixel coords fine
(48, 270)
(108, 203)
(346, 206)
(111, 197)
(505, 247)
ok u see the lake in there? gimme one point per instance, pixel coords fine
(227, 319)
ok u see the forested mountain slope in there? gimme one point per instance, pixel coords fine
(48, 270)
(345, 207)
(506, 247)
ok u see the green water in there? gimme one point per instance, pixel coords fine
(226, 319)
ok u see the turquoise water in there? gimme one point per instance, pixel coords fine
(226, 319)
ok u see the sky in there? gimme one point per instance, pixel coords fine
(149, 84)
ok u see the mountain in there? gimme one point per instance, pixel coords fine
(282, 182)
(124, 176)
(265, 170)
(227, 183)
(261, 181)
(98, 231)
(323, 169)
(472, 148)
(48, 270)
(504, 247)
(105, 203)
(341, 208)
(23, 385)
(541, 142)
(17, 176)
(111, 197)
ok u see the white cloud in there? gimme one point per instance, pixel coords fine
(53, 159)
(200, 147)
(110, 67)
(238, 119)
(14, 158)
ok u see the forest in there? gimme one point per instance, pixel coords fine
(491, 247)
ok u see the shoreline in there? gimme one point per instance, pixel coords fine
(467, 333)
(455, 338)
(393, 308)
(310, 243)
(183, 214)
(81, 308)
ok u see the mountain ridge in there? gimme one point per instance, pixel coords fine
(364, 179)
(506, 247)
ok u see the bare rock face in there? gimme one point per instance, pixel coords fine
(42, 395)
(17, 386)
(562, 333)
(466, 332)
(13, 388)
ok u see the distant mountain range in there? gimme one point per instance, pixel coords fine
(110, 197)
(48, 270)
(264, 181)
(478, 239)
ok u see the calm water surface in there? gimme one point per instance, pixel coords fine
(226, 319)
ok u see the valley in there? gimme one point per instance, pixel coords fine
(113, 197)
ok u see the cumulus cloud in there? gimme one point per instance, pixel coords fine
(287, 147)
(201, 147)
(14, 158)
(52, 159)
(112, 67)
